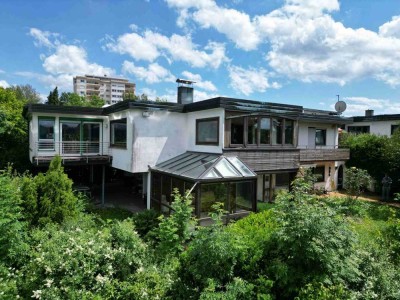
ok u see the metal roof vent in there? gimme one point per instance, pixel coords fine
(185, 91)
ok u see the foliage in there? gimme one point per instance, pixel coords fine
(73, 99)
(12, 227)
(49, 197)
(52, 98)
(81, 260)
(357, 180)
(14, 144)
(145, 221)
(376, 154)
(173, 232)
(26, 93)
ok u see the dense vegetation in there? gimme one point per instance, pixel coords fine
(376, 154)
(302, 247)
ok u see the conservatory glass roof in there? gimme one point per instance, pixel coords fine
(205, 166)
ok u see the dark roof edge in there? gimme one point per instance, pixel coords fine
(46, 108)
(389, 117)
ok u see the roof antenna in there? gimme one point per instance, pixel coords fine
(340, 106)
(337, 97)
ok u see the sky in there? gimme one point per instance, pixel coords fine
(302, 52)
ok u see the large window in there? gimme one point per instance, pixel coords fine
(319, 172)
(237, 129)
(320, 137)
(46, 133)
(118, 133)
(261, 131)
(207, 131)
(358, 129)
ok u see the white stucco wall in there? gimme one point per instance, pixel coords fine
(377, 127)
(331, 134)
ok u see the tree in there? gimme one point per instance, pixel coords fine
(26, 93)
(130, 97)
(72, 99)
(144, 97)
(357, 180)
(95, 101)
(14, 144)
(52, 98)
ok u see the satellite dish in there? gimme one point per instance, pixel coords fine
(340, 106)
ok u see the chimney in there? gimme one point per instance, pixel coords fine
(369, 113)
(185, 91)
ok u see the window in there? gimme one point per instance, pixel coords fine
(265, 131)
(207, 131)
(320, 137)
(394, 128)
(289, 132)
(276, 131)
(358, 129)
(118, 133)
(319, 172)
(252, 125)
(237, 126)
(46, 133)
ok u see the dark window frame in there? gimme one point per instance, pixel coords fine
(359, 129)
(46, 144)
(119, 121)
(316, 173)
(213, 119)
(324, 135)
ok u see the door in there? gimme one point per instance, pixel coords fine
(91, 138)
(311, 137)
(340, 178)
(70, 137)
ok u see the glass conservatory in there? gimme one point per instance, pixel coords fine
(209, 178)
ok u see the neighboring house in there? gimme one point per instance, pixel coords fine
(109, 89)
(222, 149)
(374, 124)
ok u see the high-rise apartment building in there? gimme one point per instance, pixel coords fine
(110, 89)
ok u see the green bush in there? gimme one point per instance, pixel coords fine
(80, 259)
(145, 221)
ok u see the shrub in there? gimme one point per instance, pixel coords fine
(145, 221)
(12, 228)
(78, 259)
(357, 180)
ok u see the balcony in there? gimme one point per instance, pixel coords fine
(71, 152)
(323, 153)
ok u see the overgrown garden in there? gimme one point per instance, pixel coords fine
(53, 246)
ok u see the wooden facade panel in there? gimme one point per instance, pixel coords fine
(268, 160)
(324, 154)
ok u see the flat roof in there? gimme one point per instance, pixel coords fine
(388, 117)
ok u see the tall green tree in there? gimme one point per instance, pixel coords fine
(14, 144)
(95, 101)
(53, 98)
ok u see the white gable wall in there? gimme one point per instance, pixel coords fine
(331, 134)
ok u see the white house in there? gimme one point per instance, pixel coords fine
(222, 149)
(374, 124)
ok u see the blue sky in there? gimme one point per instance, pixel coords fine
(301, 52)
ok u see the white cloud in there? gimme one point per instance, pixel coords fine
(63, 63)
(62, 81)
(391, 28)
(248, 81)
(1, 71)
(72, 59)
(205, 85)
(151, 45)
(153, 74)
(357, 105)
(4, 84)
(306, 43)
(43, 38)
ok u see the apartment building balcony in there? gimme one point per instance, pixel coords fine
(323, 153)
(71, 152)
